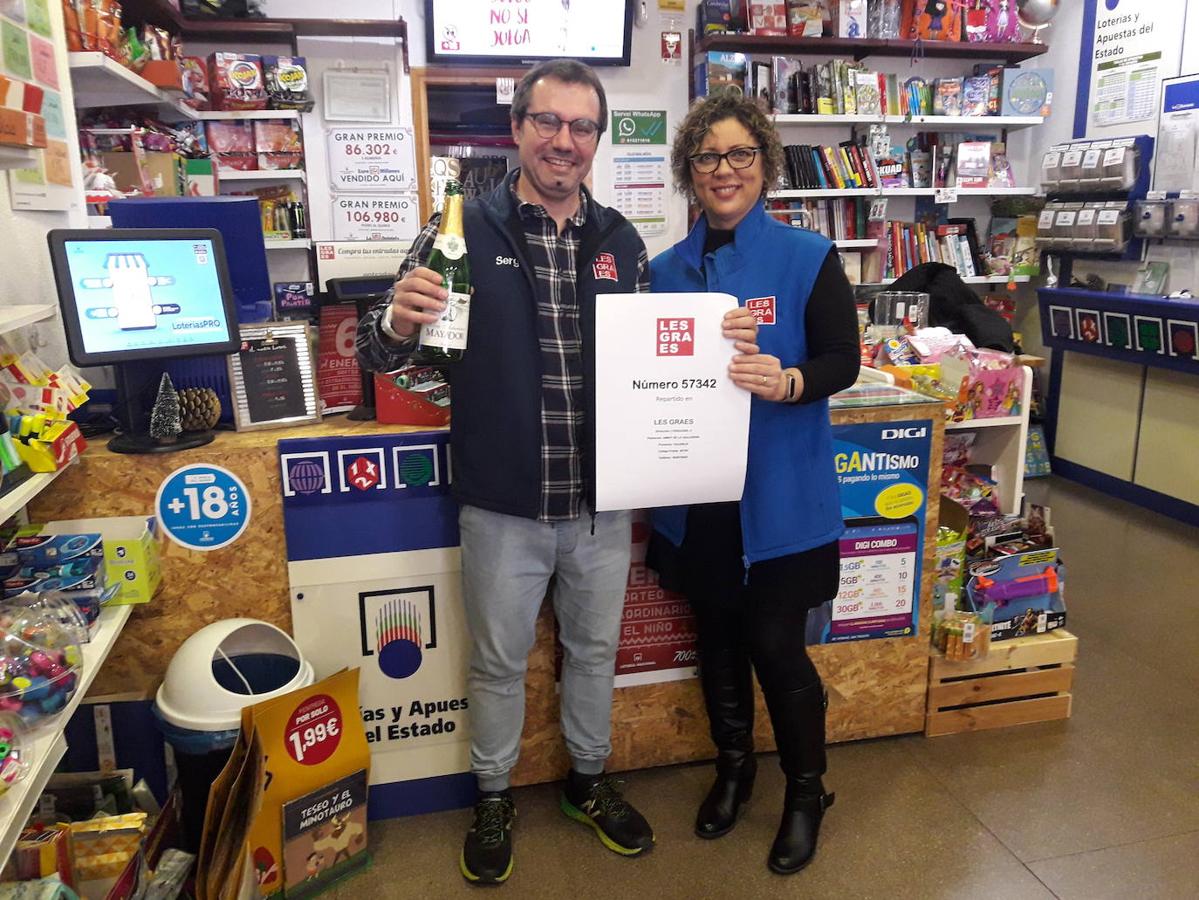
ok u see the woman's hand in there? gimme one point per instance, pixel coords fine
(740, 325)
(758, 373)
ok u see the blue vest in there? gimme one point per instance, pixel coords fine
(791, 501)
(495, 430)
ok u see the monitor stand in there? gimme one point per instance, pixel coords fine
(134, 380)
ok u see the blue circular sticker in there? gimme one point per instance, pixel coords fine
(203, 507)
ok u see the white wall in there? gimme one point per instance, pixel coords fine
(25, 275)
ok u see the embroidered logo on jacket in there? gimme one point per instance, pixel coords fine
(605, 267)
(762, 309)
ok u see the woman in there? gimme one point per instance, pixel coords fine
(753, 569)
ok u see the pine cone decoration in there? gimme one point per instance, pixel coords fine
(199, 408)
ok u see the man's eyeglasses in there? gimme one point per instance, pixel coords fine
(741, 158)
(547, 124)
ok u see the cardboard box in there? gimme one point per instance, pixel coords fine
(132, 556)
(162, 173)
(21, 129)
(201, 177)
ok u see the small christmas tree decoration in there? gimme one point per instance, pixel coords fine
(164, 418)
(200, 409)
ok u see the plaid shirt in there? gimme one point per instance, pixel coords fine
(553, 256)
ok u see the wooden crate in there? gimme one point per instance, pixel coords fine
(1021, 681)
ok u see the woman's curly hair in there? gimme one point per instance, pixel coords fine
(705, 113)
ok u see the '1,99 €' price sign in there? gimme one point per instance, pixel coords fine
(203, 507)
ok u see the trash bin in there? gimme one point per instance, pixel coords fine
(217, 671)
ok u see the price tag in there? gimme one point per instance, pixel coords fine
(375, 218)
(945, 195)
(313, 730)
(1042, 622)
(968, 633)
(505, 89)
(371, 159)
(203, 507)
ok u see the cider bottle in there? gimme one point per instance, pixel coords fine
(444, 341)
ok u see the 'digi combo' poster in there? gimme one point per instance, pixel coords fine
(882, 471)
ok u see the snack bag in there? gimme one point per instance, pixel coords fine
(236, 81)
(287, 82)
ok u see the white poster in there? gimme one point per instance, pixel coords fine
(371, 159)
(671, 427)
(399, 618)
(639, 185)
(1134, 45)
(375, 218)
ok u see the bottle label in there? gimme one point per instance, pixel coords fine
(452, 246)
(449, 332)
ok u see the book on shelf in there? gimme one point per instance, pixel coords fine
(974, 164)
(1001, 245)
(1026, 258)
(893, 169)
(932, 20)
(837, 218)
(768, 17)
(976, 90)
(843, 167)
(994, 76)
(851, 262)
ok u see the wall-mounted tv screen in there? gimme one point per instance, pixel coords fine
(521, 32)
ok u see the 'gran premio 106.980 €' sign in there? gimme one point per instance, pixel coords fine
(203, 507)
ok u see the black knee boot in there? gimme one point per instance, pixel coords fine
(798, 720)
(728, 695)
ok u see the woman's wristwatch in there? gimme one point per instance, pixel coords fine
(792, 395)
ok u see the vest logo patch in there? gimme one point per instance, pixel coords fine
(762, 309)
(676, 337)
(605, 267)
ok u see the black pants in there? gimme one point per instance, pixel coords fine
(756, 621)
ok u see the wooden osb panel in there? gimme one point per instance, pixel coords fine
(247, 578)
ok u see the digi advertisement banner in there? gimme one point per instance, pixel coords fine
(882, 470)
(375, 576)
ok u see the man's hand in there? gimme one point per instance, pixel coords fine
(419, 299)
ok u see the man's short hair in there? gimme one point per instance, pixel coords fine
(568, 71)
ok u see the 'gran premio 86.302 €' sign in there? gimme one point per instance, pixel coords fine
(374, 160)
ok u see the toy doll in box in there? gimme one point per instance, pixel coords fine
(933, 20)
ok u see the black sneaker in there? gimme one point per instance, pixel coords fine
(487, 853)
(595, 801)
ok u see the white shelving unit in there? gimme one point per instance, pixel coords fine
(18, 316)
(100, 81)
(1000, 443)
(263, 175)
(868, 244)
(969, 279)
(822, 193)
(48, 744)
(928, 123)
(295, 244)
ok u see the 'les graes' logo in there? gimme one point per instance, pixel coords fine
(397, 628)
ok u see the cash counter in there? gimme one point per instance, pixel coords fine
(876, 686)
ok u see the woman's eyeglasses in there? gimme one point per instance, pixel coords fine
(741, 158)
(547, 124)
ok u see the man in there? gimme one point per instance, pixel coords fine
(542, 254)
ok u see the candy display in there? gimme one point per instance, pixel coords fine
(278, 145)
(40, 657)
(232, 145)
(14, 752)
(962, 636)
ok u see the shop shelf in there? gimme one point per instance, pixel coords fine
(161, 12)
(263, 175)
(969, 279)
(861, 48)
(17, 157)
(818, 193)
(100, 81)
(993, 422)
(223, 115)
(863, 245)
(928, 123)
(25, 314)
(48, 743)
(297, 244)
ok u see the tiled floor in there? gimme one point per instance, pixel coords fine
(1105, 805)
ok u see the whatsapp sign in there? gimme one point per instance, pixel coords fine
(638, 126)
